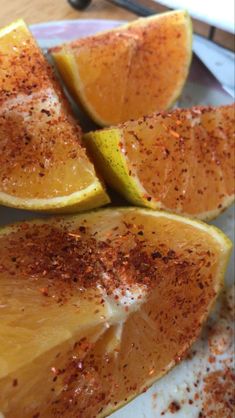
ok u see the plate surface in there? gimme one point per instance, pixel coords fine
(185, 390)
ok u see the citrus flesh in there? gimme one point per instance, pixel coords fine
(130, 71)
(43, 164)
(182, 161)
(95, 307)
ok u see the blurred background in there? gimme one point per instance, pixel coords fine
(212, 19)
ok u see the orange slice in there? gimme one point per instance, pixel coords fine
(43, 164)
(130, 71)
(181, 161)
(97, 306)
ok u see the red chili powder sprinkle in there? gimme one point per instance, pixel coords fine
(15, 382)
(174, 407)
(69, 261)
(219, 394)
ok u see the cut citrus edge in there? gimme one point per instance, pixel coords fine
(92, 196)
(225, 247)
(68, 71)
(14, 25)
(75, 80)
(212, 230)
(115, 167)
(87, 198)
(217, 234)
(120, 179)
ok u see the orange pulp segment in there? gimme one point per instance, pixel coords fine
(181, 161)
(96, 307)
(130, 71)
(43, 164)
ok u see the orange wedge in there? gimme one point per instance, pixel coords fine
(130, 71)
(43, 165)
(96, 307)
(181, 161)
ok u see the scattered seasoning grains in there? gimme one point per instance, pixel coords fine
(174, 407)
(15, 382)
(37, 130)
(69, 261)
(66, 260)
(167, 145)
(219, 394)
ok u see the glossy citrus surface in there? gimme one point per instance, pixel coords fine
(41, 154)
(96, 307)
(129, 71)
(182, 161)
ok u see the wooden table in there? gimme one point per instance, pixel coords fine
(35, 11)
